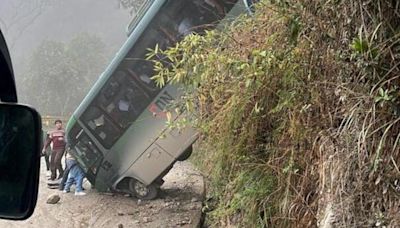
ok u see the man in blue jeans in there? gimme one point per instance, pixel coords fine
(75, 176)
(69, 162)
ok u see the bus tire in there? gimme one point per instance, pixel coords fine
(142, 191)
(186, 154)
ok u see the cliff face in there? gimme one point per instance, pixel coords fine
(298, 107)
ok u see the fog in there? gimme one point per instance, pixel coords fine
(50, 38)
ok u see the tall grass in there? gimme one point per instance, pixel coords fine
(299, 110)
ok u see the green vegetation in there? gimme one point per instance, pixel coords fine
(299, 110)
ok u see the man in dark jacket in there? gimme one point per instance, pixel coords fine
(57, 137)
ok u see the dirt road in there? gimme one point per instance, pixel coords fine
(179, 205)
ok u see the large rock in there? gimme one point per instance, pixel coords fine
(53, 199)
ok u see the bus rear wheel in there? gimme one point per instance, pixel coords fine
(142, 191)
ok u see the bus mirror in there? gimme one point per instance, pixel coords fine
(20, 144)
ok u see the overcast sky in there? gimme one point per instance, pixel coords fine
(26, 24)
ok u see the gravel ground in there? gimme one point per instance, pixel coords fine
(179, 205)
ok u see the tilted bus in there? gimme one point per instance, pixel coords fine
(118, 133)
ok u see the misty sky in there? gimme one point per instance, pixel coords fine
(25, 24)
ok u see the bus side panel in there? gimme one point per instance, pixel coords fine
(161, 155)
(150, 165)
(176, 141)
(138, 138)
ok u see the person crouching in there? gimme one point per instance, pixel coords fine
(75, 175)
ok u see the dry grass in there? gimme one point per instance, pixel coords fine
(300, 113)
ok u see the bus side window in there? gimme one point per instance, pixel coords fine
(88, 150)
(136, 65)
(128, 103)
(100, 126)
(166, 29)
(142, 74)
(177, 24)
(111, 90)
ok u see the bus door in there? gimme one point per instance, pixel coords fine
(89, 156)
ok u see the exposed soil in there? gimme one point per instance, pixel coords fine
(178, 205)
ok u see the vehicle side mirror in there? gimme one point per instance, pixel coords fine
(20, 145)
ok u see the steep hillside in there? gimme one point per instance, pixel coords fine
(299, 110)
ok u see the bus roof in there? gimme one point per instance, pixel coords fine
(138, 16)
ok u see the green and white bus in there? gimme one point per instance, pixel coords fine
(118, 134)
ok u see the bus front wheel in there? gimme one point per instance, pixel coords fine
(142, 191)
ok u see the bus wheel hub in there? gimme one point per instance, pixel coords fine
(142, 191)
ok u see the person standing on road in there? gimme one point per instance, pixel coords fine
(57, 137)
(47, 155)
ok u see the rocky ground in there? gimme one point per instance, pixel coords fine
(179, 205)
